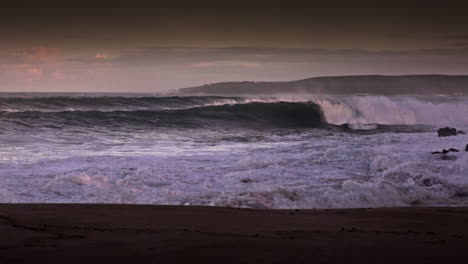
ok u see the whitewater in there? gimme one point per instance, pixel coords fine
(284, 151)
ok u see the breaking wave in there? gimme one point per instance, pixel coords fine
(394, 111)
(357, 112)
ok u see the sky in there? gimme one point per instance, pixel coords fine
(153, 46)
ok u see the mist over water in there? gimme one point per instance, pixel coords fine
(288, 151)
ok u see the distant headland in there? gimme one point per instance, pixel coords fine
(359, 84)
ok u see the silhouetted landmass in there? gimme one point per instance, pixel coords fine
(366, 84)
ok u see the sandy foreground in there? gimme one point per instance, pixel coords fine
(171, 234)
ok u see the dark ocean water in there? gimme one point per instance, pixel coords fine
(262, 152)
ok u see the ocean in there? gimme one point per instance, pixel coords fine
(288, 151)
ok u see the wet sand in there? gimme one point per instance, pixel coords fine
(171, 234)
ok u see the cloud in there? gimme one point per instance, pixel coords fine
(243, 64)
(35, 71)
(58, 75)
(162, 68)
(35, 55)
(75, 37)
(457, 41)
(248, 57)
(41, 54)
(460, 44)
(456, 37)
(100, 56)
(93, 58)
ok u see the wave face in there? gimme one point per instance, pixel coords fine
(260, 115)
(276, 152)
(360, 112)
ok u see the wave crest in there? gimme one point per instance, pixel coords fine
(394, 111)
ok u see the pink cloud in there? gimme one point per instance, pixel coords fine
(100, 56)
(27, 73)
(38, 54)
(35, 71)
(205, 64)
(243, 64)
(58, 75)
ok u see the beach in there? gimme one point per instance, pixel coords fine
(233, 132)
(139, 178)
(85, 233)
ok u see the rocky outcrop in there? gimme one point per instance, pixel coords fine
(446, 132)
(445, 151)
(449, 131)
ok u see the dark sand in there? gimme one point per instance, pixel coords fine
(169, 234)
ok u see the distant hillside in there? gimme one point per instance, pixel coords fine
(367, 84)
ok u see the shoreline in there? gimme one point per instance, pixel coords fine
(80, 233)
